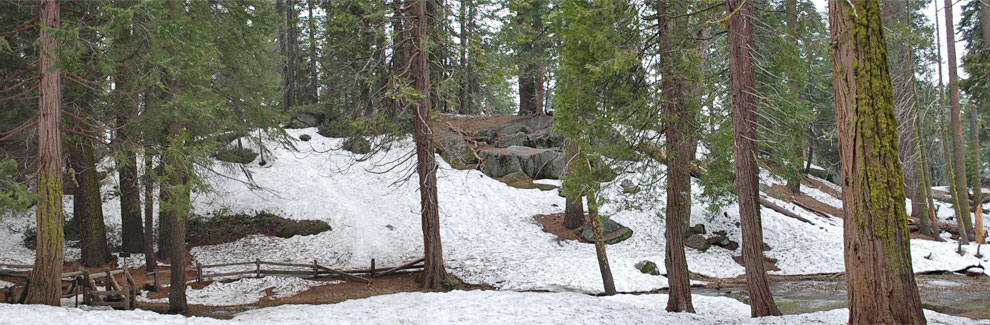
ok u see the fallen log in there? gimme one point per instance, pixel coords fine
(781, 210)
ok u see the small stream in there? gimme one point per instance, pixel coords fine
(949, 294)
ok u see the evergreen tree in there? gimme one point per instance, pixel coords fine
(879, 279)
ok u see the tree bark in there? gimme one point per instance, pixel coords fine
(679, 111)
(958, 153)
(434, 272)
(743, 91)
(596, 231)
(46, 284)
(464, 104)
(175, 195)
(151, 263)
(897, 17)
(87, 206)
(574, 204)
(880, 282)
(132, 234)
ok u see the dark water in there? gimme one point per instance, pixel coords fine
(950, 294)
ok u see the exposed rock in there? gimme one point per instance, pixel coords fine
(458, 153)
(719, 241)
(698, 242)
(732, 246)
(527, 125)
(628, 186)
(305, 137)
(515, 139)
(698, 229)
(648, 267)
(720, 233)
(486, 135)
(546, 138)
(307, 119)
(357, 145)
(520, 180)
(612, 231)
(535, 163)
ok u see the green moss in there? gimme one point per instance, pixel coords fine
(450, 283)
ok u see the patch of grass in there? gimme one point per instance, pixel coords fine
(228, 228)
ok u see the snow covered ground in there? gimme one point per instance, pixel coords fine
(488, 230)
(462, 307)
(244, 291)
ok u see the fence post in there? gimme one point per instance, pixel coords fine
(372, 271)
(257, 263)
(155, 275)
(316, 270)
(107, 279)
(199, 272)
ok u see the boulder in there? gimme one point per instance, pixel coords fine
(648, 267)
(515, 139)
(732, 245)
(698, 242)
(307, 119)
(720, 233)
(628, 186)
(458, 153)
(535, 163)
(527, 125)
(305, 137)
(546, 138)
(720, 241)
(612, 231)
(487, 135)
(698, 229)
(357, 145)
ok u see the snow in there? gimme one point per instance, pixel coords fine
(463, 307)
(488, 230)
(244, 291)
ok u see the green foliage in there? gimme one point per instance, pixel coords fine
(601, 86)
(14, 197)
(224, 228)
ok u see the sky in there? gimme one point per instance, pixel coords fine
(930, 13)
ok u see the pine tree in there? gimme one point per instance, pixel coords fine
(46, 277)
(879, 278)
(743, 88)
(958, 153)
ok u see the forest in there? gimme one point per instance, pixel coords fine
(494, 161)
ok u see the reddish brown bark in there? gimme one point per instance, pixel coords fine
(742, 87)
(680, 119)
(434, 272)
(880, 282)
(46, 284)
(958, 152)
(87, 204)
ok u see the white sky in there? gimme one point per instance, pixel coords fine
(930, 12)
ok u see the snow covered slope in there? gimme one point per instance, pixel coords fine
(488, 230)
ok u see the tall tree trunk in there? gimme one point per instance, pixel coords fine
(314, 74)
(743, 90)
(463, 105)
(981, 234)
(880, 282)
(679, 107)
(794, 183)
(88, 206)
(46, 283)
(289, 48)
(132, 234)
(944, 133)
(174, 192)
(573, 204)
(975, 168)
(958, 153)
(897, 17)
(151, 264)
(434, 272)
(596, 231)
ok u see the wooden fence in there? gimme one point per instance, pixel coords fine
(116, 295)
